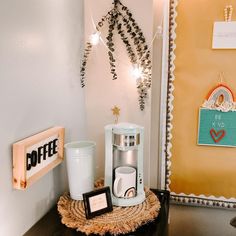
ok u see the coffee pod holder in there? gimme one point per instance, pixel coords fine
(124, 147)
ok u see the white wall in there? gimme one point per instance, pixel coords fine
(102, 93)
(40, 46)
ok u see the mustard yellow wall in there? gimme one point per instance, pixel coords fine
(199, 169)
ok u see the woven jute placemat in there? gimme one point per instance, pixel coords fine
(120, 221)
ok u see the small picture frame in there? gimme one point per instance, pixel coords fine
(97, 202)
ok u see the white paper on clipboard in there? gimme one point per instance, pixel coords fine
(224, 35)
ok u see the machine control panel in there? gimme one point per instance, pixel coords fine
(123, 140)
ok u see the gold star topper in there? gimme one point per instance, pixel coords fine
(116, 113)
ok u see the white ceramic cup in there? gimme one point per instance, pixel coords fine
(125, 182)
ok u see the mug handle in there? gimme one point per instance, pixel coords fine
(115, 187)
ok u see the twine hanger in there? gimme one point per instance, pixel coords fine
(228, 11)
(221, 77)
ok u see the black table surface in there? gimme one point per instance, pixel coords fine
(50, 224)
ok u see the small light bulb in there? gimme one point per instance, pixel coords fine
(137, 72)
(159, 29)
(94, 38)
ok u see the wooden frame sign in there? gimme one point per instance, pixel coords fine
(34, 156)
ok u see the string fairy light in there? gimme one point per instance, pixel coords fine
(95, 38)
(119, 18)
(137, 72)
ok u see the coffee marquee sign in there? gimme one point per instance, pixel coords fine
(34, 156)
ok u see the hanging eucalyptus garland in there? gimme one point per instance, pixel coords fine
(119, 18)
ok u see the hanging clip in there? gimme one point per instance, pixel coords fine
(228, 11)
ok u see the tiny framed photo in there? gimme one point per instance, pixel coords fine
(97, 202)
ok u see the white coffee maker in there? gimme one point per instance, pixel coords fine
(124, 150)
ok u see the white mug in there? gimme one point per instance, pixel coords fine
(125, 182)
